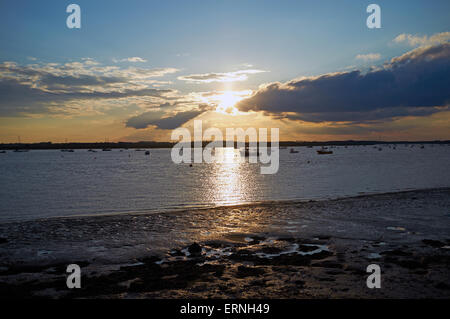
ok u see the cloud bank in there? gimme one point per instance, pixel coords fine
(416, 83)
(37, 88)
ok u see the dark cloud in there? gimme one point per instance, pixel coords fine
(167, 123)
(163, 120)
(412, 84)
(17, 98)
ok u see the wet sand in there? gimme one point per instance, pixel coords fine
(316, 249)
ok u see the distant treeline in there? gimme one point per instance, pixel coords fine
(139, 145)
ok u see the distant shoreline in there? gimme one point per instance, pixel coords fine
(151, 144)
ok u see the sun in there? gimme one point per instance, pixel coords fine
(227, 101)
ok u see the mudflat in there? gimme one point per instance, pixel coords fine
(314, 249)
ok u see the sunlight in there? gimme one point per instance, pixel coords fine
(228, 99)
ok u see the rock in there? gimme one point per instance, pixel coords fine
(195, 249)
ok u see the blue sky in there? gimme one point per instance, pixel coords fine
(286, 39)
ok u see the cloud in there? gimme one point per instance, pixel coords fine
(415, 40)
(241, 75)
(43, 88)
(163, 120)
(368, 57)
(135, 59)
(416, 83)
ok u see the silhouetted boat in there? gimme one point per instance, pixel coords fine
(20, 151)
(147, 153)
(106, 150)
(292, 151)
(2, 152)
(324, 151)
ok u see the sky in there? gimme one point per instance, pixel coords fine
(137, 70)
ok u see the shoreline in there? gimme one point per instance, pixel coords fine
(263, 203)
(312, 249)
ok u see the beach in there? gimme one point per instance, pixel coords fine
(285, 249)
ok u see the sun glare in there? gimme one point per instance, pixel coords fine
(227, 101)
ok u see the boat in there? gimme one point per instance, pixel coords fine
(292, 151)
(2, 152)
(20, 151)
(324, 151)
(67, 150)
(106, 150)
(147, 153)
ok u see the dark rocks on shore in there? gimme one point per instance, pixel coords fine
(195, 249)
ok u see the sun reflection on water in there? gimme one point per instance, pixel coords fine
(230, 179)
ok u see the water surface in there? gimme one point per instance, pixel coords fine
(50, 183)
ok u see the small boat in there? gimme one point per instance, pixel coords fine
(92, 151)
(292, 151)
(20, 151)
(2, 152)
(67, 150)
(106, 150)
(147, 153)
(324, 151)
(422, 147)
